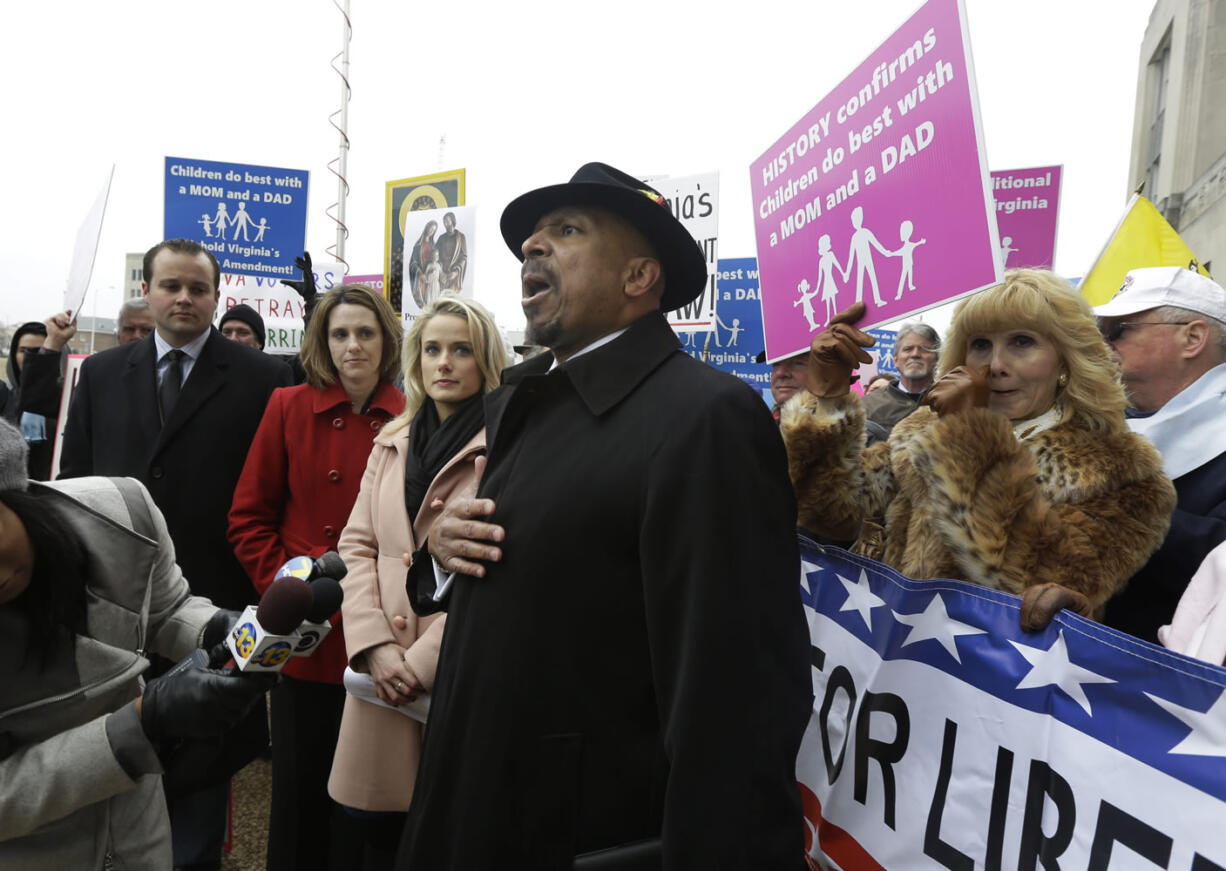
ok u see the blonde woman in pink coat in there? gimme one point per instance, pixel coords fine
(452, 356)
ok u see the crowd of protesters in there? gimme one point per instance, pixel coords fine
(573, 517)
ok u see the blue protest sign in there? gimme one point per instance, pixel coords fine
(737, 337)
(883, 351)
(253, 218)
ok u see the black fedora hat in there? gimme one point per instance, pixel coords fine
(598, 184)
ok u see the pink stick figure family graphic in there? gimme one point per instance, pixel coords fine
(859, 256)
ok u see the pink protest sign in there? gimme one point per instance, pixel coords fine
(880, 192)
(1027, 209)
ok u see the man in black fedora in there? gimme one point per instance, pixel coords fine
(624, 680)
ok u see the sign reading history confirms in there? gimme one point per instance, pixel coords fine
(253, 218)
(879, 193)
(694, 200)
(1027, 215)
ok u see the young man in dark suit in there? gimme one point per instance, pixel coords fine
(177, 410)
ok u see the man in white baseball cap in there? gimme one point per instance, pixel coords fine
(1167, 326)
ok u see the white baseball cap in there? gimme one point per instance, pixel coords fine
(1156, 286)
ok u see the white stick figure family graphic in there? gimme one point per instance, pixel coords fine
(859, 255)
(241, 221)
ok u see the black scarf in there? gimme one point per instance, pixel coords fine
(432, 444)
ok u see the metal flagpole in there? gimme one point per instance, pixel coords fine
(338, 166)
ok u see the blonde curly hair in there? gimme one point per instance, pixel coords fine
(1039, 300)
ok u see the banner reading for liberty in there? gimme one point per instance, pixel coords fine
(943, 736)
(253, 218)
(880, 193)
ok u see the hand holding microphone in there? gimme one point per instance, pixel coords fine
(292, 617)
(264, 637)
(195, 701)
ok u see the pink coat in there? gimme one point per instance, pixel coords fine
(378, 749)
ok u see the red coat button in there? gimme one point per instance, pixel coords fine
(338, 423)
(330, 532)
(334, 475)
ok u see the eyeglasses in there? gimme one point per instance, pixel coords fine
(1115, 331)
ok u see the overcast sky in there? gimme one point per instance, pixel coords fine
(518, 94)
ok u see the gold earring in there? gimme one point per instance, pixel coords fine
(1063, 379)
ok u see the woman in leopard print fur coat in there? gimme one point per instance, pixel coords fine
(1020, 471)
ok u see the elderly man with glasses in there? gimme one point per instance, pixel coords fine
(1167, 326)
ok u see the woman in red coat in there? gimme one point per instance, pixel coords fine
(299, 483)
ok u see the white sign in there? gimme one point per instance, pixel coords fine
(694, 200)
(85, 250)
(437, 257)
(280, 306)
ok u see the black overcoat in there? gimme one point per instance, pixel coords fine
(1198, 525)
(637, 664)
(191, 465)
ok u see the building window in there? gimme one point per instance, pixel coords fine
(1160, 76)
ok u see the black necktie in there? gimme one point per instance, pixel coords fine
(172, 382)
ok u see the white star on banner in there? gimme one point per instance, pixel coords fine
(935, 623)
(1052, 667)
(860, 598)
(807, 568)
(1208, 735)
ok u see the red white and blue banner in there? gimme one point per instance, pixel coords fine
(943, 736)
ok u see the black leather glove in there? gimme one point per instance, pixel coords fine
(194, 701)
(306, 287)
(218, 628)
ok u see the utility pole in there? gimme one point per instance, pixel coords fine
(339, 165)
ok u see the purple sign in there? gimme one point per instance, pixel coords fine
(1027, 209)
(880, 192)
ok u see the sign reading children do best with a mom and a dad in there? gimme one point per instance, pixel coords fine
(880, 193)
(253, 218)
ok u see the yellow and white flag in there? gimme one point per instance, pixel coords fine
(1142, 238)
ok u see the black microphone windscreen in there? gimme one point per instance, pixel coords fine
(328, 597)
(330, 565)
(284, 605)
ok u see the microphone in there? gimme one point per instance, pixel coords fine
(296, 567)
(329, 565)
(265, 636)
(328, 596)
